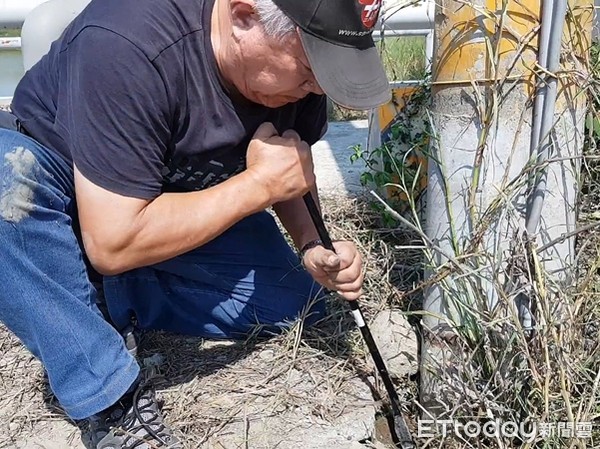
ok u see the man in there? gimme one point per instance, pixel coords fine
(153, 136)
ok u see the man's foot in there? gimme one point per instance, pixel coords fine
(133, 422)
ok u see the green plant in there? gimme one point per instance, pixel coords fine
(397, 168)
(10, 32)
(481, 360)
(404, 57)
(593, 119)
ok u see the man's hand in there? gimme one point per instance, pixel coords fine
(340, 271)
(280, 165)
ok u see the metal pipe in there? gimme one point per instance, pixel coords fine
(44, 25)
(13, 12)
(547, 116)
(553, 18)
(429, 42)
(522, 301)
(420, 16)
(596, 23)
(540, 92)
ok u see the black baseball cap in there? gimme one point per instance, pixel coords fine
(337, 38)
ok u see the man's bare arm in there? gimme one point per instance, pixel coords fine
(296, 220)
(121, 233)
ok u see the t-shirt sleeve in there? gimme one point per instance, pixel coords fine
(311, 119)
(113, 108)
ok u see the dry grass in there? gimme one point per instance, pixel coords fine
(551, 375)
(210, 388)
(10, 32)
(485, 365)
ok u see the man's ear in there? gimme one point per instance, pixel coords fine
(243, 15)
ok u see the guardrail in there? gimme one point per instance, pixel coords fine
(13, 12)
(398, 18)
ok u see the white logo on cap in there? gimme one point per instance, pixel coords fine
(370, 12)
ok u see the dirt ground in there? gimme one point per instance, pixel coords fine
(310, 388)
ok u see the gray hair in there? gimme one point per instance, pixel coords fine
(275, 22)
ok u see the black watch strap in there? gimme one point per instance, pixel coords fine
(309, 245)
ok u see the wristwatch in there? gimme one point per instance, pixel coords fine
(309, 245)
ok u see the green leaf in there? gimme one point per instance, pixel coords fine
(366, 178)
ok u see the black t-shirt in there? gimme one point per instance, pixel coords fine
(130, 93)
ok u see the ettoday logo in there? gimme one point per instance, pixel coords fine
(528, 431)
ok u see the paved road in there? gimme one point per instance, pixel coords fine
(336, 175)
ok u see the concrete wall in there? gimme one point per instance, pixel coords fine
(480, 121)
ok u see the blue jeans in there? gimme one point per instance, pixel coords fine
(246, 277)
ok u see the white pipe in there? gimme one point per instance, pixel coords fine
(13, 12)
(44, 25)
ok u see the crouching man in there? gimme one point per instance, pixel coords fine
(148, 142)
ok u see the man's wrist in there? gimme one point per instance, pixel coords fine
(309, 245)
(259, 191)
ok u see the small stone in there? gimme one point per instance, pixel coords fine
(267, 355)
(396, 341)
(13, 426)
(154, 360)
(213, 344)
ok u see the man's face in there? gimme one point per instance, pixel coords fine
(276, 70)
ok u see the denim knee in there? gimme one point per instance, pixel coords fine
(46, 297)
